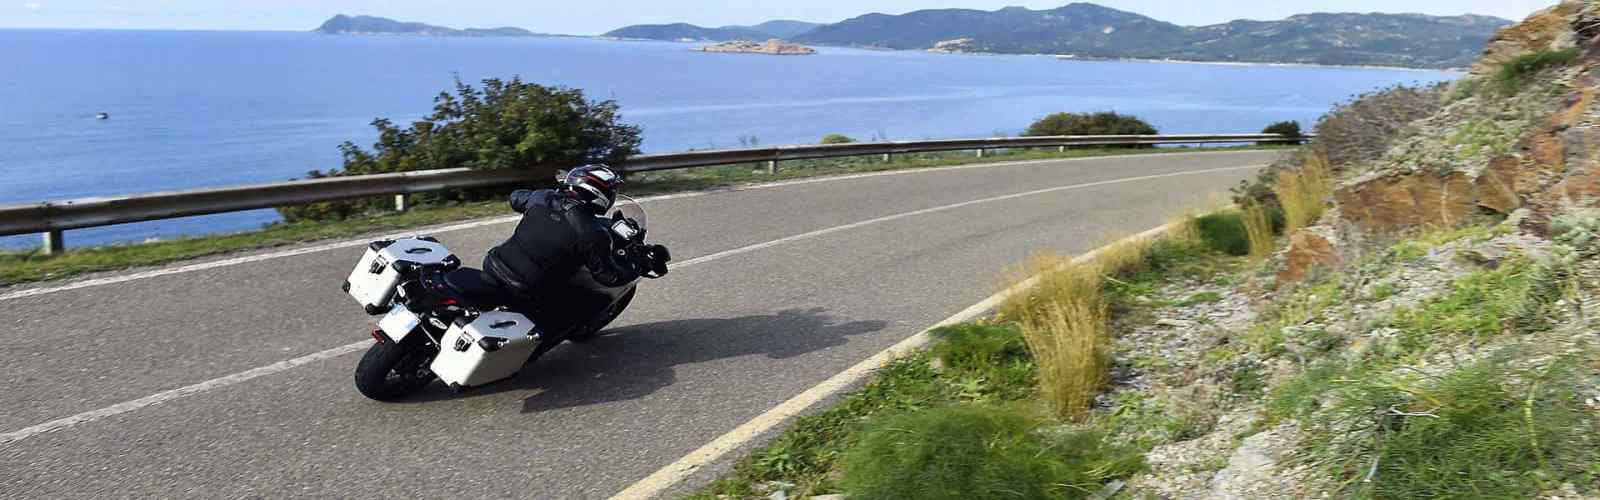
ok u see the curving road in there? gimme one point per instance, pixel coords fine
(231, 378)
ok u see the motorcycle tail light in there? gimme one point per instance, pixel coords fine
(378, 335)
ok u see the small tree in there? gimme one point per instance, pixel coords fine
(506, 124)
(1102, 123)
(1289, 129)
(837, 139)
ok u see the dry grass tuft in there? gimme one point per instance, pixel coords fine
(1063, 318)
(1303, 192)
(1258, 229)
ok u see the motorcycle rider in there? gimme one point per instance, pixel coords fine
(563, 229)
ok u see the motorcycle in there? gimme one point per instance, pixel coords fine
(457, 324)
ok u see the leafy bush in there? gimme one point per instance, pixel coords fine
(1225, 232)
(837, 139)
(1288, 128)
(1518, 297)
(979, 452)
(1364, 128)
(996, 355)
(505, 124)
(1492, 429)
(1579, 230)
(1102, 123)
(1512, 74)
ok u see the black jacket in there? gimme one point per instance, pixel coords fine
(556, 236)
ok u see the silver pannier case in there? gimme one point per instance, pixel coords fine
(491, 347)
(373, 281)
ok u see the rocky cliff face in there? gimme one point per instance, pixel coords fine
(1509, 142)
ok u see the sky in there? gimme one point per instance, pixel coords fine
(590, 17)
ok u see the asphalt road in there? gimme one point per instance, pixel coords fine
(700, 352)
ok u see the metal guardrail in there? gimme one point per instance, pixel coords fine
(51, 218)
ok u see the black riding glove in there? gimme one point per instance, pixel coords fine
(653, 259)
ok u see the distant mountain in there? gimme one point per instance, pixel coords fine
(781, 28)
(1094, 31)
(683, 31)
(371, 25)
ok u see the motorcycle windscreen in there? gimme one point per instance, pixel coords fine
(629, 208)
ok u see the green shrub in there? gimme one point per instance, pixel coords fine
(1579, 230)
(1224, 232)
(837, 139)
(1288, 128)
(993, 356)
(1364, 128)
(1518, 297)
(503, 125)
(1492, 429)
(1102, 123)
(1512, 74)
(967, 452)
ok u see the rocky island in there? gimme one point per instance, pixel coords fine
(371, 25)
(773, 46)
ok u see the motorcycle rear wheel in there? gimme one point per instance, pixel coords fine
(592, 330)
(390, 371)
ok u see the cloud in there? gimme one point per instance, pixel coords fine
(33, 5)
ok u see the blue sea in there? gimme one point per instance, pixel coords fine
(194, 109)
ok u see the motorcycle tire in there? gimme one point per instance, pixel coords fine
(592, 330)
(390, 371)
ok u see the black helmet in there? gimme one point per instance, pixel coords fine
(594, 184)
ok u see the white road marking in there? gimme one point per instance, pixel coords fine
(161, 397)
(42, 290)
(128, 406)
(657, 483)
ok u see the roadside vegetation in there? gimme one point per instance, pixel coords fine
(1007, 407)
(1101, 123)
(1298, 344)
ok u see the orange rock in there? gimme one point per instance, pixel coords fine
(1541, 31)
(1308, 251)
(1497, 185)
(1580, 188)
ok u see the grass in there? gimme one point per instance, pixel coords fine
(1064, 318)
(1497, 428)
(1225, 231)
(1302, 192)
(1513, 74)
(809, 453)
(27, 266)
(1258, 231)
(969, 452)
(1519, 297)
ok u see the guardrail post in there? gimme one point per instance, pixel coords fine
(886, 158)
(400, 203)
(1061, 149)
(54, 243)
(980, 152)
(772, 167)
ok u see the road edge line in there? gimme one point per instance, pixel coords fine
(676, 472)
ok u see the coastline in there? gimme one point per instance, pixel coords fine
(1083, 59)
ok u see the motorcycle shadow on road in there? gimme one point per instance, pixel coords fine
(637, 360)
